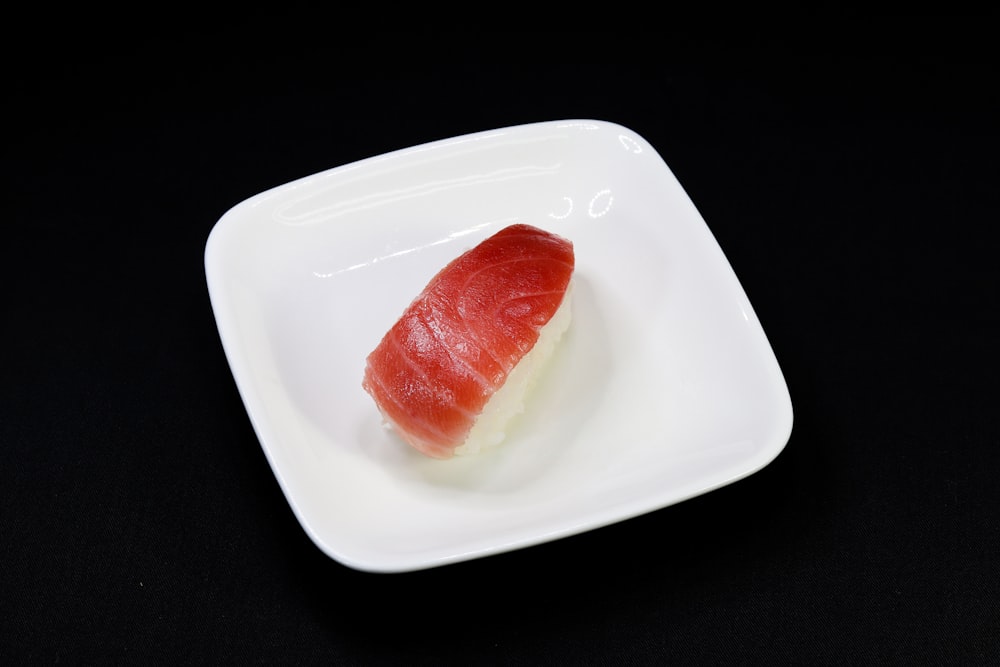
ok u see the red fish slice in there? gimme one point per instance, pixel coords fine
(456, 344)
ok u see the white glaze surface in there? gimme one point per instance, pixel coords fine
(664, 387)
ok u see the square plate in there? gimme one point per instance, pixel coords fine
(664, 387)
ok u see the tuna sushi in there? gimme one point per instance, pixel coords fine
(455, 368)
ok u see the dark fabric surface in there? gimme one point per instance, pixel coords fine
(854, 191)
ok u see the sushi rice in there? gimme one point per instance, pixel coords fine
(490, 428)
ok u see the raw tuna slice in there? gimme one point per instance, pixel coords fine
(455, 367)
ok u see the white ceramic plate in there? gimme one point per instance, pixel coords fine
(665, 386)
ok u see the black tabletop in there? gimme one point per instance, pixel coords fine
(853, 191)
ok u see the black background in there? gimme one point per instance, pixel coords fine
(852, 182)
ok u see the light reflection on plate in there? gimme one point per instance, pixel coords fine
(664, 387)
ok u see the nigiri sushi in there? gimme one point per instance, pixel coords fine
(456, 366)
